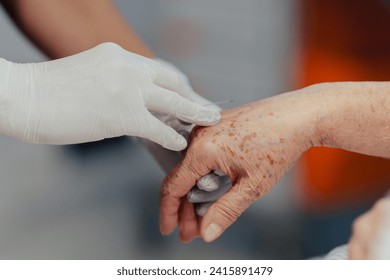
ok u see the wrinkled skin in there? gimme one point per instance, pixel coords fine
(371, 233)
(254, 145)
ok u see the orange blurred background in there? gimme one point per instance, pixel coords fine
(345, 40)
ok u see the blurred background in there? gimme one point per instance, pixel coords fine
(100, 200)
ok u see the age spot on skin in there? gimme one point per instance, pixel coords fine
(231, 153)
(270, 159)
(241, 157)
(248, 138)
(270, 114)
(282, 140)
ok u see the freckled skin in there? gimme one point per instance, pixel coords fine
(350, 116)
(271, 161)
(254, 153)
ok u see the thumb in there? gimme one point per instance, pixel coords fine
(164, 135)
(225, 211)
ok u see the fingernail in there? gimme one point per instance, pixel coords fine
(209, 116)
(215, 117)
(182, 143)
(212, 232)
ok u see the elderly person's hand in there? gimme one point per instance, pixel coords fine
(256, 144)
(371, 233)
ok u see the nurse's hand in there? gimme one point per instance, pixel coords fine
(254, 145)
(100, 93)
(371, 233)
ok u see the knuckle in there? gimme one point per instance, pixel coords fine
(177, 82)
(251, 192)
(168, 188)
(191, 165)
(201, 146)
(195, 151)
(164, 190)
(228, 213)
(108, 51)
(191, 154)
(109, 46)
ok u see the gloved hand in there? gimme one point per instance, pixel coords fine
(207, 186)
(371, 233)
(209, 189)
(100, 93)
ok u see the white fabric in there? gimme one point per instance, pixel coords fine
(100, 93)
(338, 253)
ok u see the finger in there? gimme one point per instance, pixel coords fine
(162, 134)
(208, 182)
(188, 223)
(212, 182)
(169, 102)
(167, 78)
(198, 196)
(175, 186)
(201, 208)
(227, 209)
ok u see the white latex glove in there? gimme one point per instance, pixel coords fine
(209, 187)
(100, 93)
